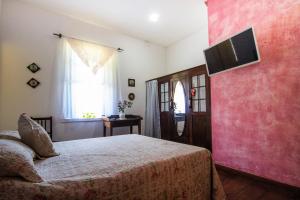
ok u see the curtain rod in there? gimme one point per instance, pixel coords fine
(61, 35)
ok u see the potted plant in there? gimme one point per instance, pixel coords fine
(122, 105)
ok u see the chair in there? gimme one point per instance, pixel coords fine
(46, 123)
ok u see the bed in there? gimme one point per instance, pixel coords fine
(120, 167)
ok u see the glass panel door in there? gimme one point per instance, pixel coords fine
(164, 97)
(198, 92)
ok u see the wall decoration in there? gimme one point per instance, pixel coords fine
(33, 67)
(131, 82)
(33, 83)
(193, 92)
(131, 96)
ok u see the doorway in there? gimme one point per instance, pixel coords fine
(185, 113)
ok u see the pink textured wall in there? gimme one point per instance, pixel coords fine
(256, 109)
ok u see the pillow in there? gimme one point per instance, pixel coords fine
(11, 135)
(16, 159)
(35, 136)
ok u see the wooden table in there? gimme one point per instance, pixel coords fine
(114, 121)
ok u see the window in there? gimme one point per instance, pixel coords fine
(87, 81)
(199, 99)
(179, 98)
(164, 97)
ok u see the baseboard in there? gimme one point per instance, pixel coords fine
(258, 178)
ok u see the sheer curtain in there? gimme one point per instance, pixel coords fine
(86, 80)
(152, 116)
(92, 55)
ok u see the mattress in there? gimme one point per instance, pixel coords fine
(120, 167)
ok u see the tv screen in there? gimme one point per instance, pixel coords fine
(237, 51)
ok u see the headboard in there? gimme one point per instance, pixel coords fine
(46, 123)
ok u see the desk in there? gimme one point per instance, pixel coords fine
(114, 121)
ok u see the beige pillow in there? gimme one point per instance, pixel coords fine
(10, 135)
(16, 159)
(35, 136)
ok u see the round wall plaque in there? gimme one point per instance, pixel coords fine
(131, 96)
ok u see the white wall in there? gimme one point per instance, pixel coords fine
(27, 37)
(187, 53)
(0, 7)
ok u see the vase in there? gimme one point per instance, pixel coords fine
(121, 115)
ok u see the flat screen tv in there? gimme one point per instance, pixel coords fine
(237, 51)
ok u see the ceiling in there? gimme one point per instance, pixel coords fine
(178, 18)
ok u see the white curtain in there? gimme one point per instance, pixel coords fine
(92, 55)
(86, 80)
(152, 116)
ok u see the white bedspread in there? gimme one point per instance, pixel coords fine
(121, 167)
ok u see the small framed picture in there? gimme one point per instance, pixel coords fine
(33, 67)
(33, 83)
(131, 82)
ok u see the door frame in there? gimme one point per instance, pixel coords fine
(188, 74)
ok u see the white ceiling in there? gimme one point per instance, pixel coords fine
(178, 18)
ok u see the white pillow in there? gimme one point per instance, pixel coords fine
(16, 159)
(11, 135)
(35, 136)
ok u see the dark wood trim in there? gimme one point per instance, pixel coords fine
(43, 122)
(197, 129)
(182, 71)
(114, 121)
(258, 178)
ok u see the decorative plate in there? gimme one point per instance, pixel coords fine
(131, 96)
(33, 83)
(33, 67)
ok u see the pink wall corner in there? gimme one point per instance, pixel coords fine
(256, 109)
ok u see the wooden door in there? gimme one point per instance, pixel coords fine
(199, 117)
(196, 86)
(164, 106)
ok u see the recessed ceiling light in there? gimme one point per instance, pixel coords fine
(154, 17)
